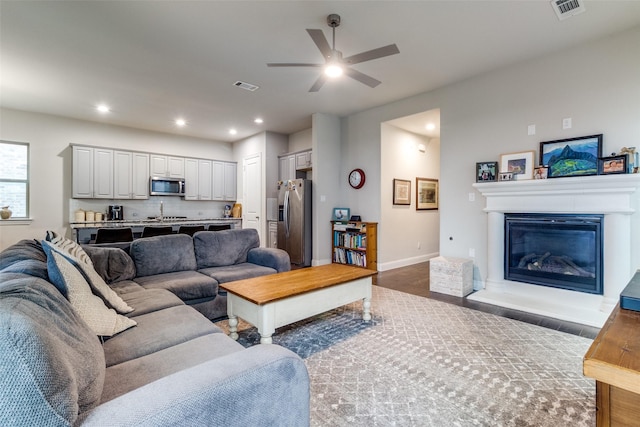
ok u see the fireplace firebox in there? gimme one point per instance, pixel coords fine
(557, 250)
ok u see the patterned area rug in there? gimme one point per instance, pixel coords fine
(422, 362)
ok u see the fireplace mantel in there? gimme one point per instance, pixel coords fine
(614, 196)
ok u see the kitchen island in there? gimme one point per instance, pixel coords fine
(84, 232)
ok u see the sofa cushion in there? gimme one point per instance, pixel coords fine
(227, 247)
(97, 284)
(163, 254)
(135, 373)
(67, 278)
(148, 300)
(51, 364)
(235, 272)
(27, 257)
(185, 284)
(156, 331)
(68, 246)
(112, 264)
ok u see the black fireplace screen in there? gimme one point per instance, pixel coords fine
(561, 251)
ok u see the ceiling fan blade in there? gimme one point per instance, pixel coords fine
(380, 52)
(321, 41)
(361, 77)
(318, 84)
(293, 64)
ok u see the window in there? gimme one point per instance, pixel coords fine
(14, 177)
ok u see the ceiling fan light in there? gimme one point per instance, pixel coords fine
(333, 70)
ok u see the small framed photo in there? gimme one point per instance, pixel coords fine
(401, 192)
(541, 172)
(519, 164)
(426, 194)
(505, 176)
(572, 156)
(613, 164)
(341, 214)
(486, 171)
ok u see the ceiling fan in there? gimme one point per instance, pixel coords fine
(335, 64)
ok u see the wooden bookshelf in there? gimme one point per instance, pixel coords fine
(355, 243)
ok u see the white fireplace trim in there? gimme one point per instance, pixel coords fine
(614, 196)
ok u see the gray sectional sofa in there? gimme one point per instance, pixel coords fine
(192, 267)
(174, 367)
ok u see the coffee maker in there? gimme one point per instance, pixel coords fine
(115, 213)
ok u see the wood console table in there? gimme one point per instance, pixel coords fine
(613, 360)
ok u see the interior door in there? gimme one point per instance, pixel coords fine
(252, 189)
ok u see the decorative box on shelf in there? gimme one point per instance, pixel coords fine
(451, 276)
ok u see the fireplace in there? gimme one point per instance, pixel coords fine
(557, 250)
(616, 198)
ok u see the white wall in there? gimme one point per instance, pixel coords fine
(596, 84)
(300, 141)
(50, 163)
(408, 236)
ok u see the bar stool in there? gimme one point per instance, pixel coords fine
(190, 229)
(219, 227)
(114, 235)
(156, 231)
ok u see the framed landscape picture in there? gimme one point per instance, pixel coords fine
(520, 165)
(572, 156)
(401, 192)
(426, 194)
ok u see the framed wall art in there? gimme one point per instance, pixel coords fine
(401, 192)
(518, 164)
(486, 171)
(426, 194)
(572, 156)
(541, 172)
(613, 164)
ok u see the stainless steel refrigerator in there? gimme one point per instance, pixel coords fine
(294, 220)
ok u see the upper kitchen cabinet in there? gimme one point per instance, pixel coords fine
(287, 167)
(224, 180)
(303, 160)
(198, 179)
(92, 172)
(131, 175)
(167, 166)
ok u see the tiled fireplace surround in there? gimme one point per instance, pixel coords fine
(617, 197)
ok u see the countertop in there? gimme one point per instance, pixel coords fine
(142, 222)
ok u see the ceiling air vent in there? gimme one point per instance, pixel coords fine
(245, 86)
(567, 8)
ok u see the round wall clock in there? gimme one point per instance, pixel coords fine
(356, 178)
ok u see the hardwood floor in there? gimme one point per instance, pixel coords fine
(414, 279)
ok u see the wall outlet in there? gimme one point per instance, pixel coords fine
(531, 130)
(472, 197)
(472, 252)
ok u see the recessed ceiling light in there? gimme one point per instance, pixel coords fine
(103, 108)
(258, 121)
(430, 126)
(181, 122)
(233, 131)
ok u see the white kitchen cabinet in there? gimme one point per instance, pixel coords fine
(303, 160)
(130, 175)
(198, 179)
(167, 166)
(92, 173)
(224, 180)
(273, 234)
(287, 167)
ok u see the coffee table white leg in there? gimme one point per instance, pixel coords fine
(233, 320)
(266, 322)
(366, 309)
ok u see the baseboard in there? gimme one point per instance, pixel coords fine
(405, 262)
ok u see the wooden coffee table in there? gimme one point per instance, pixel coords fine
(269, 302)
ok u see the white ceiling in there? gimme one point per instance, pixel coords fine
(155, 61)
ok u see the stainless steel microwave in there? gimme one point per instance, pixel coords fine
(160, 186)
